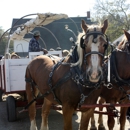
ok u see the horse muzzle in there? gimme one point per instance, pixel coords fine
(94, 76)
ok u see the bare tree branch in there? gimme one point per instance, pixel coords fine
(114, 8)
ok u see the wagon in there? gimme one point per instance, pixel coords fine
(12, 71)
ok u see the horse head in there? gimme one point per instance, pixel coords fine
(127, 35)
(94, 44)
(124, 45)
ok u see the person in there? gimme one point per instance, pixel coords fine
(34, 45)
(15, 56)
(51, 49)
(58, 49)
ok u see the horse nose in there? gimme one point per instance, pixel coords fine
(94, 75)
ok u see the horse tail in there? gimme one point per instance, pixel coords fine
(28, 77)
(27, 74)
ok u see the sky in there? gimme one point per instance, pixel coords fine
(16, 9)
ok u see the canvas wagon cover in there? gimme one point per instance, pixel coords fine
(40, 20)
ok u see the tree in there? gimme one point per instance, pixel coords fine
(117, 12)
(3, 41)
(115, 8)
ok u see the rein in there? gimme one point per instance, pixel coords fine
(60, 82)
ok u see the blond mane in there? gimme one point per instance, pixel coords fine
(79, 50)
(121, 45)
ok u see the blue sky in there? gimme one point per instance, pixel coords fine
(16, 9)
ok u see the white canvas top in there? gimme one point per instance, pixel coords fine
(41, 19)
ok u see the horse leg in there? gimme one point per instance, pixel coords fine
(32, 107)
(123, 117)
(110, 122)
(67, 116)
(100, 118)
(45, 112)
(93, 126)
(85, 117)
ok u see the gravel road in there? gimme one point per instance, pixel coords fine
(55, 120)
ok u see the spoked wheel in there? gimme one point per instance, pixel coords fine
(11, 109)
(1, 92)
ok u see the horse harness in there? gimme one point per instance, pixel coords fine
(74, 74)
(116, 79)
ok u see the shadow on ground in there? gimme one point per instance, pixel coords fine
(23, 122)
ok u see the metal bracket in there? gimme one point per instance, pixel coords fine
(82, 99)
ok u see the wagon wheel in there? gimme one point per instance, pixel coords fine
(1, 92)
(11, 109)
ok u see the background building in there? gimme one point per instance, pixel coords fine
(53, 35)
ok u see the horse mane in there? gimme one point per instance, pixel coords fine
(79, 51)
(121, 45)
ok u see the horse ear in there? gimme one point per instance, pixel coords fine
(104, 27)
(84, 26)
(127, 35)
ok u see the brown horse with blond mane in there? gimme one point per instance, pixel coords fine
(120, 92)
(71, 81)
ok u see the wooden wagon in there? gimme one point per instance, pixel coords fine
(12, 71)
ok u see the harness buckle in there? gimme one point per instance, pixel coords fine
(109, 85)
(82, 99)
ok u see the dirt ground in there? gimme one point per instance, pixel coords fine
(55, 120)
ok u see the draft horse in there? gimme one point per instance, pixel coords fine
(120, 79)
(71, 81)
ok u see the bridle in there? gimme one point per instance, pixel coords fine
(95, 34)
(86, 82)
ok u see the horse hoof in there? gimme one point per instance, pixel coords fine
(101, 127)
(93, 128)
